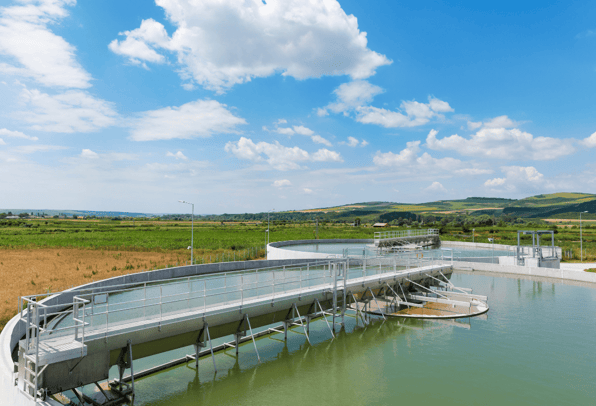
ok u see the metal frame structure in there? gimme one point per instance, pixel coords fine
(537, 248)
(98, 319)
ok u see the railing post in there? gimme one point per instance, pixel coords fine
(75, 311)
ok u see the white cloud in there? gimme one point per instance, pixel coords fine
(352, 95)
(317, 139)
(324, 155)
(71, 111)
(282, 183)
(307, 191)
(33, 50)
(30, 149)
(139, 42)
(474, 125)
(364, 143)
(87, 153)
(177, 155)
(303, 130)
(473, 171)
(355, 98)
(519, 178)
(352, 142)
(280, 157)
(284, 131)
(302, 39)
(405, 156)
(495, 182)
(411, 162)
(17, 134)
(589, 142)
(502, 143)
(500, 122)
(435, 187)
(2, 142)
(201, 118)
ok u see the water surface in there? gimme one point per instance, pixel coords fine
(536, 347)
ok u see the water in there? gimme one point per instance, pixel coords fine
(536, 347)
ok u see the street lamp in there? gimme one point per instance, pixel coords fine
(192, 230)
(268, 213)
(581, 240)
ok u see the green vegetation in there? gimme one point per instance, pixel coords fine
(154, 235)
(171, 236)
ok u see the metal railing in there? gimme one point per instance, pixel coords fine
(106, 311)
(383, 235)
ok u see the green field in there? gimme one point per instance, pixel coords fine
(147, 235)
(168, 236)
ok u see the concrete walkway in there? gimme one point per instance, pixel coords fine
(577, 266)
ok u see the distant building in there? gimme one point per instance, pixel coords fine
(380, 225)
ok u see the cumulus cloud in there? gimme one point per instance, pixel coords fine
(519, 178)
(282, 183)
(201, 118)
(354, 98)
(303, 130)
(502, 143)
(138, 44)
(67, 112)
(317, 139)
(301, 39)
(435, 187)
(177, 155)
(278, 156)
(87, 153)
(351, 96)
(33, 50)
(16, 134)
(589, 142)
(2, 142)
(412, 161)
(298, 129)
(307, 191)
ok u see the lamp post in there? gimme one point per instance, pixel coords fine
(581, 240)
(192, 230)
(268, 213)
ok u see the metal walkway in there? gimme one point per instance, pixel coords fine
(66, 347)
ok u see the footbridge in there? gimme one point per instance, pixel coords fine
(390, 239)
(72, 338)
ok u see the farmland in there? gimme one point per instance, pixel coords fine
(41, 255)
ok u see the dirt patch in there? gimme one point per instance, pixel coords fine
(34, 271)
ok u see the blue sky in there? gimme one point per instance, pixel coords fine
(250, 105)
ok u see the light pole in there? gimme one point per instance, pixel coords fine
(268, 213)
(192, 230)
(581, 240)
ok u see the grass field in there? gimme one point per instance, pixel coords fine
(38, 256)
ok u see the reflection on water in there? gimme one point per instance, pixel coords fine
(535, 347)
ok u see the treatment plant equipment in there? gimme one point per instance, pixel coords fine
(69, 339)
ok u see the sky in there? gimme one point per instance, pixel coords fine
(255, 105)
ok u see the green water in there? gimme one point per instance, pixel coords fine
(536, 347)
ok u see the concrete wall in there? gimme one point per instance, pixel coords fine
(529, 271)
(275, 250)
(547, 251)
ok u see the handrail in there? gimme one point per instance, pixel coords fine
(383, 235)
(242, 287)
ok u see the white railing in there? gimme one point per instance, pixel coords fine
(383, 235)
(106, 311)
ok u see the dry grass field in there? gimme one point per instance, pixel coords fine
(39, 270)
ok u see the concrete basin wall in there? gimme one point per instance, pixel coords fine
(275, 250)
